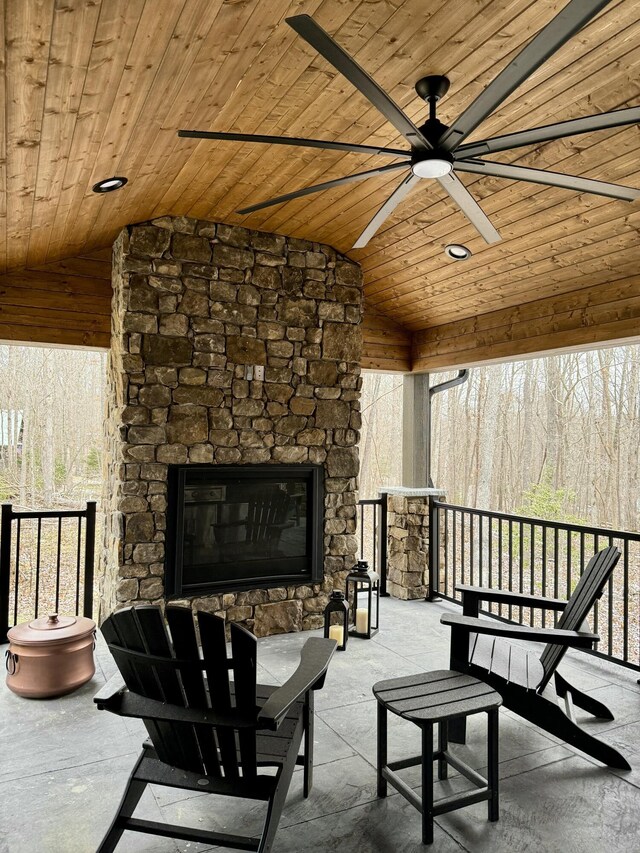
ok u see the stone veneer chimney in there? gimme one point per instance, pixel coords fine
(196, 307)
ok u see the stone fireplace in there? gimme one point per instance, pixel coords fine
(229, 347)
(238, 527)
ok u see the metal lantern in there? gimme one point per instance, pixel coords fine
(363, 593)
(338, 630)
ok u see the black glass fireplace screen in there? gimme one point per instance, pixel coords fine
(243, 526)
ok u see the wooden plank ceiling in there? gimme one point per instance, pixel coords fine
(94, 89)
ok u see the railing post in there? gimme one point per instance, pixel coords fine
(5, 568)
(89, 553)
(434, 550)
(382, 544)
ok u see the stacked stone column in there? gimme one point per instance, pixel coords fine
(407, 546)
(229, 346)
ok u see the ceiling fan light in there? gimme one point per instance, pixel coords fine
(457, 252)
(431, 167)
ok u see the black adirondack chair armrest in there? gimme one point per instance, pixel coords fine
(314, 661)
(505, 596)
(558, 636)
(116, 697)
(111, 689)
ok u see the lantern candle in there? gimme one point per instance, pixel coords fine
(336, 632)
(362, 620)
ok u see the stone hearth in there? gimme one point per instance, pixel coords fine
(229, 346)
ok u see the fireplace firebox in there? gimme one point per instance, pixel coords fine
(238, 527)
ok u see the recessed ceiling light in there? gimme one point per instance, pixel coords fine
(433, 164)
(109, 185)
(457, 252)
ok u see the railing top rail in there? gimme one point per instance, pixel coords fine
(63, 513)
(543, 522)
(370, 501)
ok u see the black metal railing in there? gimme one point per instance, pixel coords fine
(372, 536)
(531, 555)
(46, 563)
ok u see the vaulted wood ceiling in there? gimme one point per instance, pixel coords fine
(95, 88)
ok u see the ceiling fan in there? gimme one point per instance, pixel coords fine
(438, 152)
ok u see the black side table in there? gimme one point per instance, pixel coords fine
(425, 699)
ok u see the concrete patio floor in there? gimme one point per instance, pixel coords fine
(64, 764)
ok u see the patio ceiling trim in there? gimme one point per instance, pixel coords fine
(68, 303)
(603, 314)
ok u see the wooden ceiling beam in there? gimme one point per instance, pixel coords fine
(64, 305)
(548, 327)
(602, 293)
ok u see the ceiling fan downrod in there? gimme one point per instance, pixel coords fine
(436, 162)
(431, 89)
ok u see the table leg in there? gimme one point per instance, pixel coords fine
(492, 762)
(427, 783)
(443, 745)
(382, 749)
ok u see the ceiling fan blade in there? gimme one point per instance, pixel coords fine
(550, 179)
(400, 192)
(470, 207)
(566, 23)
(290, 140)
(327, 185)
(311, 32)
(587, 124)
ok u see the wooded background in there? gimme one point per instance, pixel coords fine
(554, 437)
(56, 459)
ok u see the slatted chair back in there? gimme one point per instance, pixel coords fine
(267, 515)
(588, 589)
(166, 666)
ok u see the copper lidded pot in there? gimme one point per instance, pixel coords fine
(50, 656)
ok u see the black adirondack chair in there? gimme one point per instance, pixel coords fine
(479, 647)
(260, 531)
(208, 731)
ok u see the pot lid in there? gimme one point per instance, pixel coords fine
(52, 623)
(51, 630)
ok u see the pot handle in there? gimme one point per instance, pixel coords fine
(11, 662)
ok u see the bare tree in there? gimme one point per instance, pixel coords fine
(55, 400)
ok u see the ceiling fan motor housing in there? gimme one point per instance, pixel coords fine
(433, 129)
